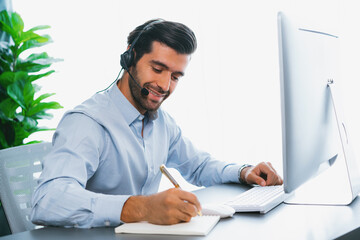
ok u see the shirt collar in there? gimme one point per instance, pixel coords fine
(129, 112)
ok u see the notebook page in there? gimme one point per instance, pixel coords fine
(197, 226)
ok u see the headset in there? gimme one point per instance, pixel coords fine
(127, 58)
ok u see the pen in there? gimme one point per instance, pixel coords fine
(164, 170)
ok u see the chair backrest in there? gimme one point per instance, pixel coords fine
(20, 167)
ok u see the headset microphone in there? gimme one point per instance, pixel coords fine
(144, 91)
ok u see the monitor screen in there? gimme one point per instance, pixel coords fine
(309, 61)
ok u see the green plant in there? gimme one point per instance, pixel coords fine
(20, 110)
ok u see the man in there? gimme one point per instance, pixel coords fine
(104, 166)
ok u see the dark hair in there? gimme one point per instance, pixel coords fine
(173, 34)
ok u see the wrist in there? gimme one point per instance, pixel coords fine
(134, 209)
(241, 173)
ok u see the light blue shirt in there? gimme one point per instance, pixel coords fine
(100, 159)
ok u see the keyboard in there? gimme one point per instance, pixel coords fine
(258, 199)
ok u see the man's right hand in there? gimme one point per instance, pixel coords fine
(168, 207)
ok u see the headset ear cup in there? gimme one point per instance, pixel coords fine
(126, 59)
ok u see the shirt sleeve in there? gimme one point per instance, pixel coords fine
(61, 199)
(196, 166)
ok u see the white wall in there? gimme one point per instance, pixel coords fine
(228, 103)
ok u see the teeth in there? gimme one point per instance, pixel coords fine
(158, 95)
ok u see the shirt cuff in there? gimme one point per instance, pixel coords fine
(107, 210)
(231, 173)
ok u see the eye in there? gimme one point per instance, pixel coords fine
(175, 77)
(157, 70)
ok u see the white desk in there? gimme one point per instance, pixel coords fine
(283, 222)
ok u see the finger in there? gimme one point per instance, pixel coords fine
(183, 217)
(190, 198)
(188, 209)
(262, 174)
(173, 209)
(175, 217)
(271, 167)
(272, 178)
(252, 177)
(278, 180)
(265, 171)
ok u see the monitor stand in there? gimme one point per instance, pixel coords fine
(340, 183)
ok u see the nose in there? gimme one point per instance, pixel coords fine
(164, 82)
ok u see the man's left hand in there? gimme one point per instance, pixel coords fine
(262, 174)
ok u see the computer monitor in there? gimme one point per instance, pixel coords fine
(314, 132)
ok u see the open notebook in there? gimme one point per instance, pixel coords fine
(197, 226)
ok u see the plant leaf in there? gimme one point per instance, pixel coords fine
(6, 57)
(31, 43)
(39, 109)
(6, 24)
(8, 108)
(17, 23)
(19, 111)
(42, 97)
(7, 78)
(40, 27)
(12, 24)
(28, 93)
(32, 142)
(20, 134)
(5, 18)
(29, 124)
(35, 62)
(36, 87)
(26, 36)
(36, 56)
(43, 115)
(16, 90)
(37, 76)
(22, 92)
(31, 67)
(42, 129)
(8, 29)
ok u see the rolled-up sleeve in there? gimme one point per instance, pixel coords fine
(63, 202)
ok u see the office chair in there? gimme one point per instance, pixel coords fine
(20, 167)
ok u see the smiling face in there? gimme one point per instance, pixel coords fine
(159, 72)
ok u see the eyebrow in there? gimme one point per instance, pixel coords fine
(165, 66)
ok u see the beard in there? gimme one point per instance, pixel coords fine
(141, 100)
